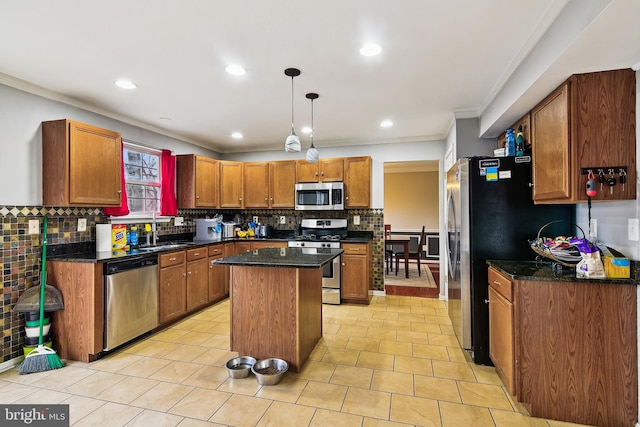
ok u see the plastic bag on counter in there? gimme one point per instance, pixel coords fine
(590, 266)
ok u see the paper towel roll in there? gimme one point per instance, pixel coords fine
(103, 237)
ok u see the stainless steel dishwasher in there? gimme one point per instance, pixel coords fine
(130, 298)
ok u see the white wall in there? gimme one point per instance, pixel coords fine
(21, 114)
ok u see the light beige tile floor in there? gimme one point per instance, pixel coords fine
(395, 362)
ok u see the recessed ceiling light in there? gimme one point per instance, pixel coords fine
(306, 129)
(165, 118)
(125, 84)
(370, 49)
(235, 70)
(236, 135)
(386, 123)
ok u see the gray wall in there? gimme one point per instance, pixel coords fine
(21, 114)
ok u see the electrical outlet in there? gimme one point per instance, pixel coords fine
(634, 229)
(255, 219)
(283, 219)
(82, 224)
(356, 220)
(34, 226)
(593, 227)
(177, 221)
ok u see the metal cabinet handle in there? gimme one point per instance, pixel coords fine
(197, 197)
(184, 274)
(487, 301)
(496, 282)
(189, 273)
(196, 254)
(531, 185)
(173, 259)
(343, 264)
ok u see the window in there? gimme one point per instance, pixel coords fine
(142, 174)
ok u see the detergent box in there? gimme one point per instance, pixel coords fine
(616, 265)
(118, 237)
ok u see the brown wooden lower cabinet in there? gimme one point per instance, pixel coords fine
(172, 293)
(574, 347)
(197, 278)
(356, 273)
(77, 330)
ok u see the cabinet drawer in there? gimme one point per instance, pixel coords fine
(197, 253)
(501, 284)
(355, 248)
(216, 250)
(172, 258)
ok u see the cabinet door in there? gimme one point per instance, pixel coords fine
(307, 172)
(229, 250)
(230, 184)
(172, 292)
(206, 182)
(242, 247)
(282, 181)
(217, 276)
(256, 188)
(354, 277)
(331, 170)
(357, 182)
(551, 147)
(501, 343)
(197, 283)
(95, 166)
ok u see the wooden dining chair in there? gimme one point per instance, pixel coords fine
(414, 253)
(388, 252)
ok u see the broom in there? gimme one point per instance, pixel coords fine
(41, 358)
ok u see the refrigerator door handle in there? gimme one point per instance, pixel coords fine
(452, 253)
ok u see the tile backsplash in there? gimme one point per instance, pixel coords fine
(21, 252)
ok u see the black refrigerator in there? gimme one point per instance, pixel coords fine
(490, 215)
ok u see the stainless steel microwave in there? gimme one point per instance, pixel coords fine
(324, 196)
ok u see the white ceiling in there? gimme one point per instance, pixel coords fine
(439, 59)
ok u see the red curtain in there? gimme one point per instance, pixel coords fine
(168, 203)
(123, 209)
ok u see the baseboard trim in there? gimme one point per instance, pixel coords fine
(10, 364)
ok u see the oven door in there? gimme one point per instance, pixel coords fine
(331, 282)
(331, 274)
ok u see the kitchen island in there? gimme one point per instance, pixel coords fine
(276, 302)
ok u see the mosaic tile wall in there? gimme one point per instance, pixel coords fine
(20, 253)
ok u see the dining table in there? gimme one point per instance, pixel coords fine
(404, 241)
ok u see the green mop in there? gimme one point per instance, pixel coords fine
(41, 358)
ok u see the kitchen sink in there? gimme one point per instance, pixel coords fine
(164, 247)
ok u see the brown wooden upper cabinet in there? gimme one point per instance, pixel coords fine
(81, 165)
(326, 170)
(586, 123)
(198, 179)
(231, 185)
(269, 184)
(282, 181)
(256, 189)
(357, 182)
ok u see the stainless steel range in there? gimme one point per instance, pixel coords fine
(324, 233)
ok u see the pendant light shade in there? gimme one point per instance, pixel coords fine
(292, 143)
(312, 152)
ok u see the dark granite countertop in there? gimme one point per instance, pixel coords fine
(282, 257)
(543, 271)
(86, 251)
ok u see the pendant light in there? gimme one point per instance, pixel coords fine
(292, 143)
(312, 153)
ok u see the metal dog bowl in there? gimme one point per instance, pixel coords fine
(269, 371)
(239, 367)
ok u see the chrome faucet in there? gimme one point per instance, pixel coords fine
(154, 229)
